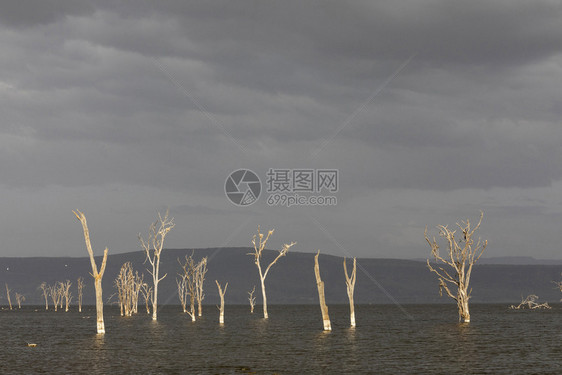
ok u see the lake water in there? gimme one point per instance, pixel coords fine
(414, 339)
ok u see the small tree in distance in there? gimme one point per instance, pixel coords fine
(462, 253)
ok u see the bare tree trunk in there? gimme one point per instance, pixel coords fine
(155, 243)
(97, 275)
(259, 243)
(320, 285)
(252, 299)
(80, 285)
(8, 294)
(350, 284)
(19, 298)
(221, 293)
(45, 292)
(462, 254)
(200, 272)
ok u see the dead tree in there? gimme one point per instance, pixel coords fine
(350, 284)
(200, 272)
(182, 291)
(8, 294)
(259, 243)
(462, 253)
(187, 283)
(45, 290)
(128, 287)
(221, 309)
(54, 292)
(146, 292)
(320, 285)
(19, 299)
(252, 299)
(80, 286)
(531, 302)
(153, 246)
(95, 274)
(66, 294)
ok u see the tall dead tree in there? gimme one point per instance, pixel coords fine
(462, 253)
(259, 243)
(8, 294)
(350, 284)
(95, 274)
(320, 285)
(252, 299)
(200, 272)
(66, 294)
(19, 299)
(221, 294)
(80, 286)
(153, 246)
(45, 290)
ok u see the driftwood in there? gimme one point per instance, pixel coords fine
(531, 302)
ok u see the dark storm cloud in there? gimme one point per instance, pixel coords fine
(29, 13)
(164, 99)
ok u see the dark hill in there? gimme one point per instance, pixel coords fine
(291, 280)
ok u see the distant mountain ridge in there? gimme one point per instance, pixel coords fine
(291, 280)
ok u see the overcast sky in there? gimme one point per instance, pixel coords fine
(430, 111)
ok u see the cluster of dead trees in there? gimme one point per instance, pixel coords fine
(190, 285)
(19, 297)
(60, 294)
(531, 302)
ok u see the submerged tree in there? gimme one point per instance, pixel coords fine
(222, 292)
(462, 253)
(153, 246)
(320, 285)
(186, 285)
(146, 292)
(350, 284)
(259, 243)
(56, 295)
(8, 294)
(252, 299)
(531, 302)
(19, 299)
(65, 293)
(128, 288)
(80, 286)
(200, 272)
(45, 290)
(95, 274)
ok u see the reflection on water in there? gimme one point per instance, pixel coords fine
(291, 341)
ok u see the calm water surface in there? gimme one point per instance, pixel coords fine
(419, 339)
